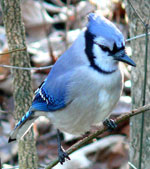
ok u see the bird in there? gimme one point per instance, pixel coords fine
(83, 86)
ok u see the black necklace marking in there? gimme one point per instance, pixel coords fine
(89, 41)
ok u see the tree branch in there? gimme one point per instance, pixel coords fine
(101, 129)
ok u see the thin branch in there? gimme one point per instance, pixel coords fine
(131, 165)
(14, 50)
(137, 37)
(101, 129)
(27, 68)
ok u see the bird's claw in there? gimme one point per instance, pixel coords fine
(62, 155)
(110, 124)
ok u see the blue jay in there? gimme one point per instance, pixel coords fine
(84, 85)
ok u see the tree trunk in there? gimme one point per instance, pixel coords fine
(22, 78)
(138, 54)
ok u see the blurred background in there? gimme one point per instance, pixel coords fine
(51, 26)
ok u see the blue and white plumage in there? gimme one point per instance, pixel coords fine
(85, 83)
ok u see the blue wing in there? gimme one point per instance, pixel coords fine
(45, 102)
(52, 95)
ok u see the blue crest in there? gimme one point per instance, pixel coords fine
(100, 26)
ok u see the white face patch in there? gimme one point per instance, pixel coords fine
(103, 41)
(103, 60)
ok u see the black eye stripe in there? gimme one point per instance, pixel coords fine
(111, 52)
(104, 48)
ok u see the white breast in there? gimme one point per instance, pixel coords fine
(95, 95)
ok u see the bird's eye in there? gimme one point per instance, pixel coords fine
(104, 48)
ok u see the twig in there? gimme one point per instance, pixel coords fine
(11, 51)
(27, 68)
(101, 130)
(137, 37)
(131, 165)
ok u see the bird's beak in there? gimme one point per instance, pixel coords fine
(121, 56)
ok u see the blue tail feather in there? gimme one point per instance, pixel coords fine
(24, 118)
(23, 126)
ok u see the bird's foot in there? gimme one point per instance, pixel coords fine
(110, 124)
(62, 155)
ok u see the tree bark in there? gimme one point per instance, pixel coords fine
(22, 78)
(138, 54)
